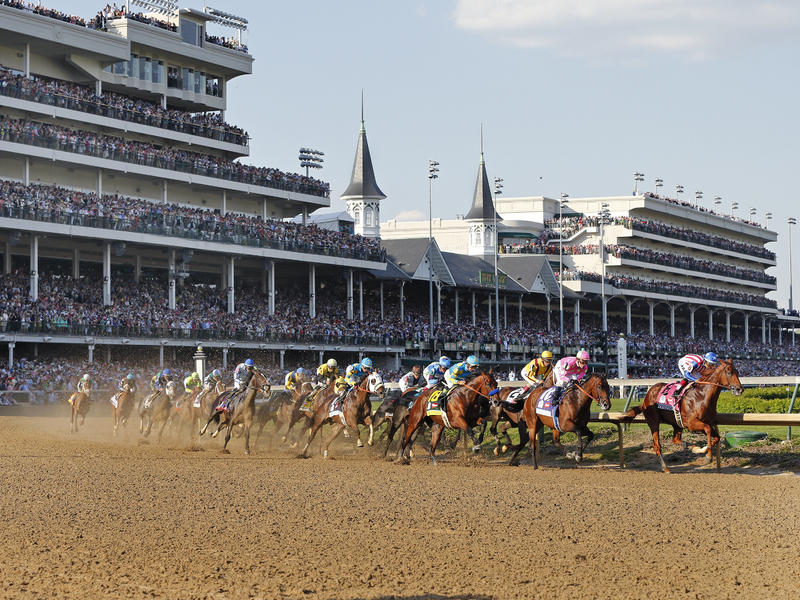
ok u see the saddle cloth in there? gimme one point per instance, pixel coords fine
(667, 397)
(544, 407)
(224, 401)
(196, 403)
(114, 401)
(516, 399)
(336, 408)
(434, 406)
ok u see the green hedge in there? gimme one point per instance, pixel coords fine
(757, 400)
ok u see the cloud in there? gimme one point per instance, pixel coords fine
(410, 215)
(690, 29)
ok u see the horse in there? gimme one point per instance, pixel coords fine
(274, 410)
(501, 412)
(79, 403)
(394, 411)
(295, 415)
(241, 412)
(184, 413)
(156, 408)
(465, 405)
(698, 408)
(573, 414)
(356, 409)
(122, 410)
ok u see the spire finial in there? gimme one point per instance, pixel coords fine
(362, 109)
(481, 143)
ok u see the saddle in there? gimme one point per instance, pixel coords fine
(226, 401)
(670, 397)
(546, 408)
(515, 401)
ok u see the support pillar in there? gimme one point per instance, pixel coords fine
(76, 263)
(98, 87)
(360, 296)
(780, 333)
(577, 315)
(505, 312)
(455, 299)
(99, 182)
(171, 279)
(91, 353)
(350, 294)
(164, 191)
(224, 210)
(381, 288)
(34, 273)
(769, 331)
(402, 301)
(107, 274)
(321, 356)
(280, 360)
(763, 329)
(305, 215)
(264, 209)
(26, 171)
(651, 306)
(473, 309)
(271, 287)
(547, 297)
(520, 312)
(137, 269)
(672, 320)
(628, 305)
(108, 354)
(490, 310)
(312, 288)
(163, 102)
(746, 328)
(7, 259)
(691, 320)
(710, 324)
(438, 302)
(231, 298)
(11, 346)
(27, 60)
(728, 326)
(225, 358)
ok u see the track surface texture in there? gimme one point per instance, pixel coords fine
(89, 516)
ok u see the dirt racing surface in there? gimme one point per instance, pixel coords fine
(90, 516)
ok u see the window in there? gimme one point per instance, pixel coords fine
(133, 66)
(199, 82)
(357, 216)
(121, 68)
(368, 217)
(213, 86)
(173, 79)
(158, 71)
(191, 32)
(145, 68)
(188, 79)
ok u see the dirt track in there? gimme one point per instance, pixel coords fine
(89, 517)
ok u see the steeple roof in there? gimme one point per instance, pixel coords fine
(362, 181)
(482, 204)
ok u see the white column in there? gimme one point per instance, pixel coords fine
(672, 320)
(747, 328)
(763, 329)
(402, 300)
(628, 305)
(99, 182)
(171, 303)
(312, 286)
(490, 310)
(161, 355)
(360, 296)
(305, 215)
(520, 312)
(231, 299)
(438, 303)
(7, 259)
(710, 324)
(780, 333)
(691, 321)
(108, 354)
(651, 305)
(769, 331)
(280, 362)
(473, 309)
(350, 294)
(224, 210)
(76, 263)
(107, 274)
(164, 195)
(137, 269)
(577, 315)
(91, 353)
(27, 60)
(271, 287)
(98, 87)
(225, 358)
(26, 171)
(547, 297)
(505, 312)
(11, 346)
(381, 299)
(34, 272)
(163, 101)
(728, 326)
(264, 209)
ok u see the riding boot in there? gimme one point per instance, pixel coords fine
(557, 395)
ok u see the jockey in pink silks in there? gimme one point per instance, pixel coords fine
(569, 368)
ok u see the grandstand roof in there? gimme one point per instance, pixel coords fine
(392, 272)
(362, 181)
(533, 273)
(482, 204)
(466, 272)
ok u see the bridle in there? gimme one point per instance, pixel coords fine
(478, 392)
(726, 385)
(578, 385)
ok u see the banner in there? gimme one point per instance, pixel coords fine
(487, 278)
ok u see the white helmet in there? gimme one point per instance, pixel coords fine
(86, 377)
(332, 364)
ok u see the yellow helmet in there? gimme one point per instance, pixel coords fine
(547, 354)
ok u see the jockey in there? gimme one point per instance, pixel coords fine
(569, 369)
(693, 363)
(127, 383)
(160, 380)
(435, 372)
(460, 372)
(328, 371)
(357, 371)
(85, 384)
(536, 371)
(410, 379)
(242, 374)
(192, 382)
(209, 383)
(298, 376)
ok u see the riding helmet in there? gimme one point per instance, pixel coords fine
(195, 375)
(332, 364)
(711, 357)
(472, 360)
(216, 373)
(85, 376)
(249, 363)
(366, 363)
(547, 355)
(582, 355)
(130, 376)
(445, 362)
(166, 372)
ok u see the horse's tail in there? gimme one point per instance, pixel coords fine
(631, 414)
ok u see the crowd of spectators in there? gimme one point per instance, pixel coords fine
(72, 96)
(701, 209)
(231, 43)
(90, 143)
(109, 13)
(628, 282)
(122, 213)
(44, 11)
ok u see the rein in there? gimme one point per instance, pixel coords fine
(727, 386)
(577, 385)
(476, 391)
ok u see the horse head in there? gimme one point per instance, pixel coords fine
(597, 386)
(170, 390)
(375, 385)
(728, 376)
(485, 384)
(260, 383)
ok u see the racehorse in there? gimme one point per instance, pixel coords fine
(184, 413)
(394, 411)
(356, 409)
(124, 406)
(573, 414)
(80, 403)
(501, 412)
(466, 404)
(292, 414)
(241, 412)
(156, 408)
(698, 408)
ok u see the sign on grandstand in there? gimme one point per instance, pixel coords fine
(487, 278)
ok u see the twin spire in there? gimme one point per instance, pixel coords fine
(362, 181)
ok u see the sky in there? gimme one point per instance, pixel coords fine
(574, 96)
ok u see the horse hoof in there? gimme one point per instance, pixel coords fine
(283, 440)
(513, 463)
(359, 444)
(496, 452)
(213, 435)
(325, 454)
(247, 452)
(293, 445)
(369, 442)
(504, 449)
(476, 448)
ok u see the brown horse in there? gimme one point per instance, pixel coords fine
(698, 408)
(157, 408)
(502, 414)
(80, 403)
(291, 413)
(573, 414)
(356, 409)
(125, 401)
(241, 412)
(466, 404)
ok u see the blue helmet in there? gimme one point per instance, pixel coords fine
(711, 357)
(366, 363)
(249, 362)
(166, 372)
(472, 360)
(445, 362)
(130, 376)
(216, 373)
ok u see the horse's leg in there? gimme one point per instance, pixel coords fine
(211, 418)
(557, 440)
(336, 429)
(533, 435)
(370, 440)
(410, 430)
(227, 438)
(247, 439)
(389, 433)
(523, 432)
(315, 426)
(436, 431)
(710, 440)
(583, 434)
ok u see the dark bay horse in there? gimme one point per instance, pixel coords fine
(79, 404)
(157, 408)
(698, 408)
(125, 401)
(502, 414)
(394, 411)
(465, 406)
(356, 409)
(241, 412)
(573, 414)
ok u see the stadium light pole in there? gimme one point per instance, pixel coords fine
(498, 189)
(698, 195)
(752, 213)
(310, 159)
(562, 203)
(678, 192)
(791, 221)
(734, 207)
(433, 169)
(637, 177)
(659, 184)
(605, 215)
(717, 202)
(767, 219)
